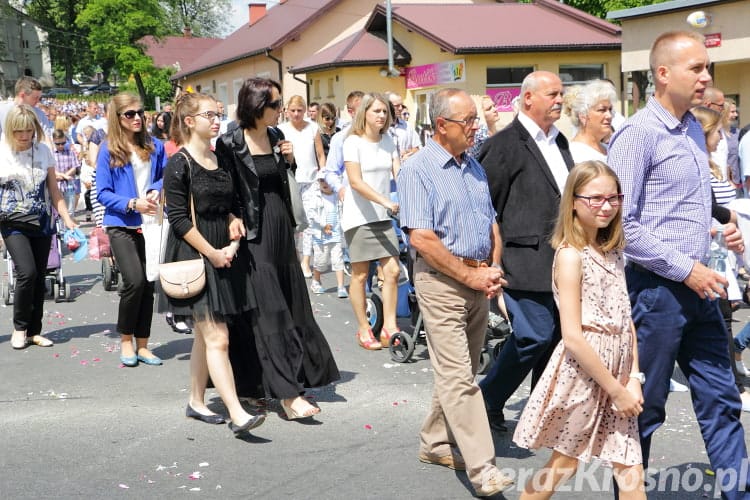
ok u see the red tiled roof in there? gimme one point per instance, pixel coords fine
(360, 49)
(502, 27)
(280, 25)
(176, 49)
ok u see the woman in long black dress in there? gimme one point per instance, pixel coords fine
(193, 177)
(292, 351)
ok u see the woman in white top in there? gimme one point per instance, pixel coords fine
(309, 157)
(590, 109)
(371, 158)
(29, 187)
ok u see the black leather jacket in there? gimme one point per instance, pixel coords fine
(233, 154)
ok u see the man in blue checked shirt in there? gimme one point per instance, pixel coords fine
(660, 156)
(447, 211)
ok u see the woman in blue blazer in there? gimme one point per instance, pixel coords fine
(129, 172)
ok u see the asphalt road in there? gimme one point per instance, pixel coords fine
(74, 423)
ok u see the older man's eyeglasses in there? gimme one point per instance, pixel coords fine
(598, 201)
(470, 121)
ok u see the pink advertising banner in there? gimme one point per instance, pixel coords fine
(430, 75)
(503, 97)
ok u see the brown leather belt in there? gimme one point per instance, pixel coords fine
(474, 262)
(468, 262)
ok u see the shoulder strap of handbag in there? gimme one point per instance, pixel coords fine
(163, 201)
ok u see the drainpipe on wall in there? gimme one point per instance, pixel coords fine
(278, 63)
(392, 71)
(307, 88)
(281, 75)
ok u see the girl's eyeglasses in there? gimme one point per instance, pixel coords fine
(598, 201)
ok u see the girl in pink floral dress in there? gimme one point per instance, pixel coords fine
(587, 401)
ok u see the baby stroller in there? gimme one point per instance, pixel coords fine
(110, 273)
(402, 344)
(54, 280)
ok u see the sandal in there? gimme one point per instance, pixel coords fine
(385, 337)
(292, 414)
(370, 344)
(18, 340)
(40, 341)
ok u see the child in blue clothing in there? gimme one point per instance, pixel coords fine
(322, 207)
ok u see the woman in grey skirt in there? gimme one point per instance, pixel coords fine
(371, 158)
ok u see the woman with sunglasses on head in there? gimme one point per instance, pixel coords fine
(27, 169)
(292, 350)
(195, 184)
(129, 172)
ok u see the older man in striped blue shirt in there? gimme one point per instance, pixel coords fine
(659, 155)
(447, 211)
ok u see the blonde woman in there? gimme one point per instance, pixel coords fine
(27, 167)
(308, 159)
(194, 177)
(371, 160)
(129, 172)
(489, 127)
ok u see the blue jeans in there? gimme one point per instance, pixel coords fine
(674, 324)
(742, 339)
(536, 331)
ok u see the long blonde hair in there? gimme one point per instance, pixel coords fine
(710, 120)
(117, 140)
(568, 228)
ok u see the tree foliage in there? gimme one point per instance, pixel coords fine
(115, 26)
(205, 19)
(67, 42)
(599, 8)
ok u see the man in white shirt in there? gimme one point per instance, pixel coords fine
(28, 91)
(406, 138)
(93, 118)
(527, 165)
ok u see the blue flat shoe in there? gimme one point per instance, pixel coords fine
(129, 360)
(155, 360)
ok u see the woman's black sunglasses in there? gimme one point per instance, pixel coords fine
(276, 105)
(130, 114)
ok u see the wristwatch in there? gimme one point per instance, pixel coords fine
(131, 205)
(639, 376)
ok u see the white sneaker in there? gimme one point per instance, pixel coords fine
(675, 386)
(741, 368)
(342, 293)
(316, 287)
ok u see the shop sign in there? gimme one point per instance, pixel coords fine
(430, 75)
(712, 40)
(503, 96)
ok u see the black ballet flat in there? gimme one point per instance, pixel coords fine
(209, 419)
(253, 422)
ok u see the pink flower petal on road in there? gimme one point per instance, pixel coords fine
(195, 475)
(84, 362)
(56, 355)
(368, 427)
(395, 403)
(96, 360)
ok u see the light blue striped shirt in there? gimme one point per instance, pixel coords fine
(663, 168)
(453, 200)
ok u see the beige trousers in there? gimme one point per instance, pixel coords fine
(455, 318)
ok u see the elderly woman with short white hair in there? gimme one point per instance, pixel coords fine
(589, 107)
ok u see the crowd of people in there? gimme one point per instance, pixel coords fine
(597, 249)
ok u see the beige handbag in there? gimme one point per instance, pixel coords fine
(186, 278)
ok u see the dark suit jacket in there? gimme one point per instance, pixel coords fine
(526, 198)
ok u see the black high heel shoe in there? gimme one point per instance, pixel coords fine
(253, 422)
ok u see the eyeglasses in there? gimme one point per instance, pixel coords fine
(60, 143)
(275, 105)
(130, 114)
(598, 201)
(326, 117)
(208, 115)
(470, 121)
